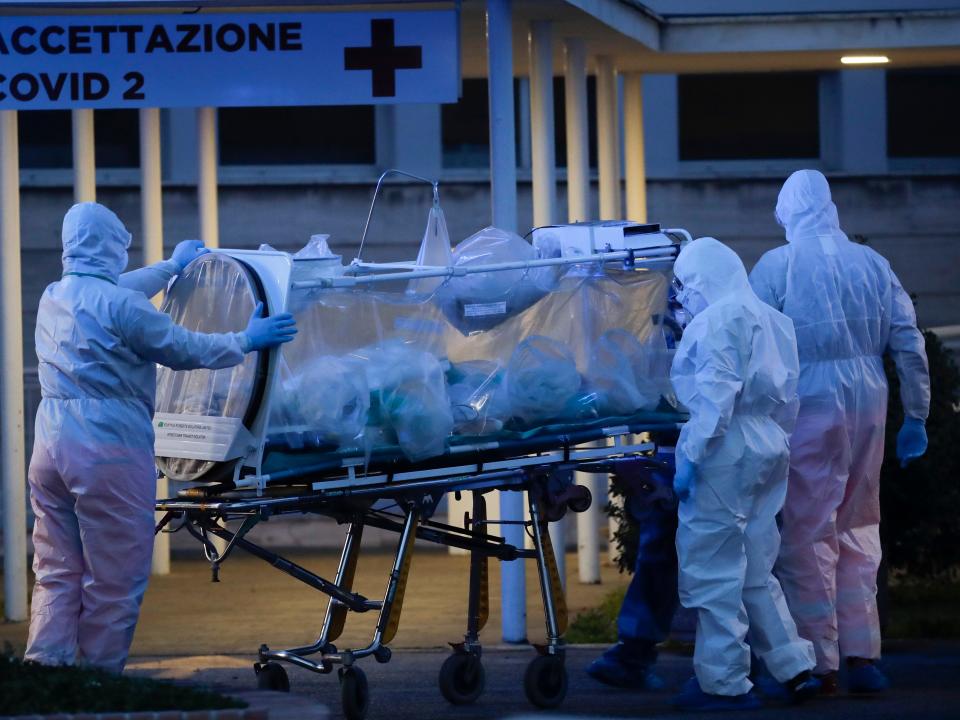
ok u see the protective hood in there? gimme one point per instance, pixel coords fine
(805, 208)
(95, 242)
(708, 267)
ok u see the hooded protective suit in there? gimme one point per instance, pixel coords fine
(736, 371)
(848, 308)
(92, 475)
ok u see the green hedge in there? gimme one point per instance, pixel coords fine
(28, 688)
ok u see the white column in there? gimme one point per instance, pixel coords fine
(84, 160)
(578, 132)
(588, 529)
(207, 176)
(542, 146)
(151, 216)
(608, 139)
(634, 147)
(503, 193)
(12, 451)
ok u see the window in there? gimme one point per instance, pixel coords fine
(327, 135)
(749, 116)
(465, 130)
(46, 139)
(465, 126)
(922, 110)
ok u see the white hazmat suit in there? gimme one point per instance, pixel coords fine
(736, 371)
(848, 308)
(92, 475)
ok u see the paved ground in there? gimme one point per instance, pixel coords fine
(197, 631)
(924, 677)
(185, 614)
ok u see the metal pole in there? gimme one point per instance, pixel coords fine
(634, 150)
(12, 451)
(151, 212)
(503, 193)
(84, 159)
(578, 140)
(207, 176)
(542, 147)
(503, 154)
(608, 139)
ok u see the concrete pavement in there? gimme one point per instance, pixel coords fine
(923, 675)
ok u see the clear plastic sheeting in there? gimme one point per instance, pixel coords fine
(214, 294)
(316, 248)
(585, 344)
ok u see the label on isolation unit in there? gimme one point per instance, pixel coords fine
(485, 309)
(197, 437)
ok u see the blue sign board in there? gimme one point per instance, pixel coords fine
(224, 60)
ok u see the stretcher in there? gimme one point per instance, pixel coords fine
(426, 388)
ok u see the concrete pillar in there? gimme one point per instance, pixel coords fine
(578, 131)
(151, 212)
(608, 139)
(523, 128)
(503, 193)
(84, 161)
(634, 147)
(660, 108)
(207, 176)
(853, 121)
(542, 135)
(12, 451)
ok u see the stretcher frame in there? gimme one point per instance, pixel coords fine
(545, 475)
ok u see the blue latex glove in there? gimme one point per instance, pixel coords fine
(186, 251)
(911, 440)
(267, 332)
(683, 479)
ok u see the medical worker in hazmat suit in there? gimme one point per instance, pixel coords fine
(736, 372)
(848, 309)
(92, 475)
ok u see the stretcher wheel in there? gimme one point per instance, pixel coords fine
(581, 499)
(354, 693)
(545, 681)
(462, 678)
(272, 676)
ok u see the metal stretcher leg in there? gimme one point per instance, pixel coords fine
(462, 677)
(545, 680)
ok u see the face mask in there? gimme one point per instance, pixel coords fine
(693, 302)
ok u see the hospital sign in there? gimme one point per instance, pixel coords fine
(224, 60)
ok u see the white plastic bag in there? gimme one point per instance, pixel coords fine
(328, 401)
(483, 300)
(316, 248)
(627, 375)
(412, 394)
(541, 380)
(434, 251)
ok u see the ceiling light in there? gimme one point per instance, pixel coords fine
(864, 59)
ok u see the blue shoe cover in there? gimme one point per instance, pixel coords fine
(692, 697)
(864, 679)
(612, 668)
